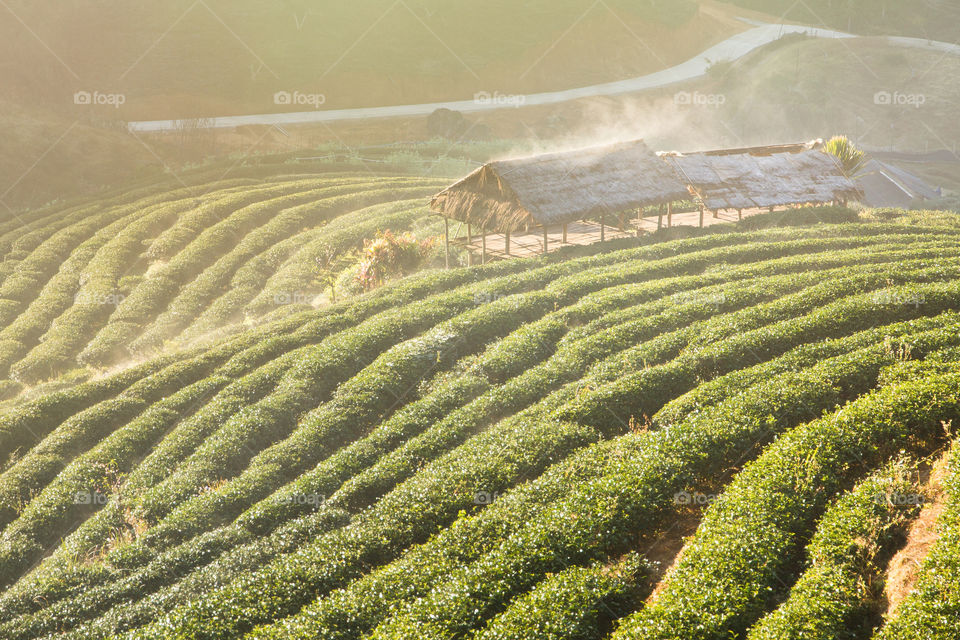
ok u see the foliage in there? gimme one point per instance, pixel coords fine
(389, 255)
(851, 158)
(483, 452)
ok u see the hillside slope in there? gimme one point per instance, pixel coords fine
(187, 59)
(98, 282)
(490, 452)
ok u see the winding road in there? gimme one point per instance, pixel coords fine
(729, 50)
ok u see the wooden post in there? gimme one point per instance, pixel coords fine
(701, 216)
(469, 245)
(603, 235)
(545, 239)
(669, 214)
(639, 220)
(660, 218)
(446, 241)
(564, 240)
(506, 243)
(620, 222)
(716, 213)
(483, 245)
(739, 214)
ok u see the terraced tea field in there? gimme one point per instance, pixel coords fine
(96, 285)
(510, 451)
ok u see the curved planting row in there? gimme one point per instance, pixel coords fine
(484, 452)
(100, 283)
(834, 595)
(339, 235)
(218, 500)
(376, 520)
(747, 544)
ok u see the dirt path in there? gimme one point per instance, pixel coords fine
(903, 569)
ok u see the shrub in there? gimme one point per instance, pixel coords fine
(748, 541)
(836, 596)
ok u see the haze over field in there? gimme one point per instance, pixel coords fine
(74, 74)
(423, 319)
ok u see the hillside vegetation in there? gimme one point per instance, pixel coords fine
(96, 283)
(486, 452)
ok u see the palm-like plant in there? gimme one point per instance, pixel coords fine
(852, 159)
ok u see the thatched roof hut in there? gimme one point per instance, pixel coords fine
(560, 188)
(763, 176)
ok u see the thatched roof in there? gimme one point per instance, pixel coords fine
(763, 176)
(560, 187)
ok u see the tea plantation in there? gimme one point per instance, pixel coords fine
(196, 446)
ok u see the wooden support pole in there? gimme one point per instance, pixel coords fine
(701, 216)
(546, 240)
(620, 222)
(639, 220)
(739, 214)
(603, 228)
(564, 239)
(506, 244)
(716, 213)
(446, 242)
(660, 219)
(669, 214)
(469, 245)
(483, 245)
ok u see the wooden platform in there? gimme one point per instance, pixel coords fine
(581, 233)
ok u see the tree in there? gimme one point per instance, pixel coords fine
(446, 123)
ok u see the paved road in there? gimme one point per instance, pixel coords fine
(731, 49)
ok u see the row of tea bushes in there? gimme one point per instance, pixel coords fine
(748, 542)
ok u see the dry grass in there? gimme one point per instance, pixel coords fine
(904, 567)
